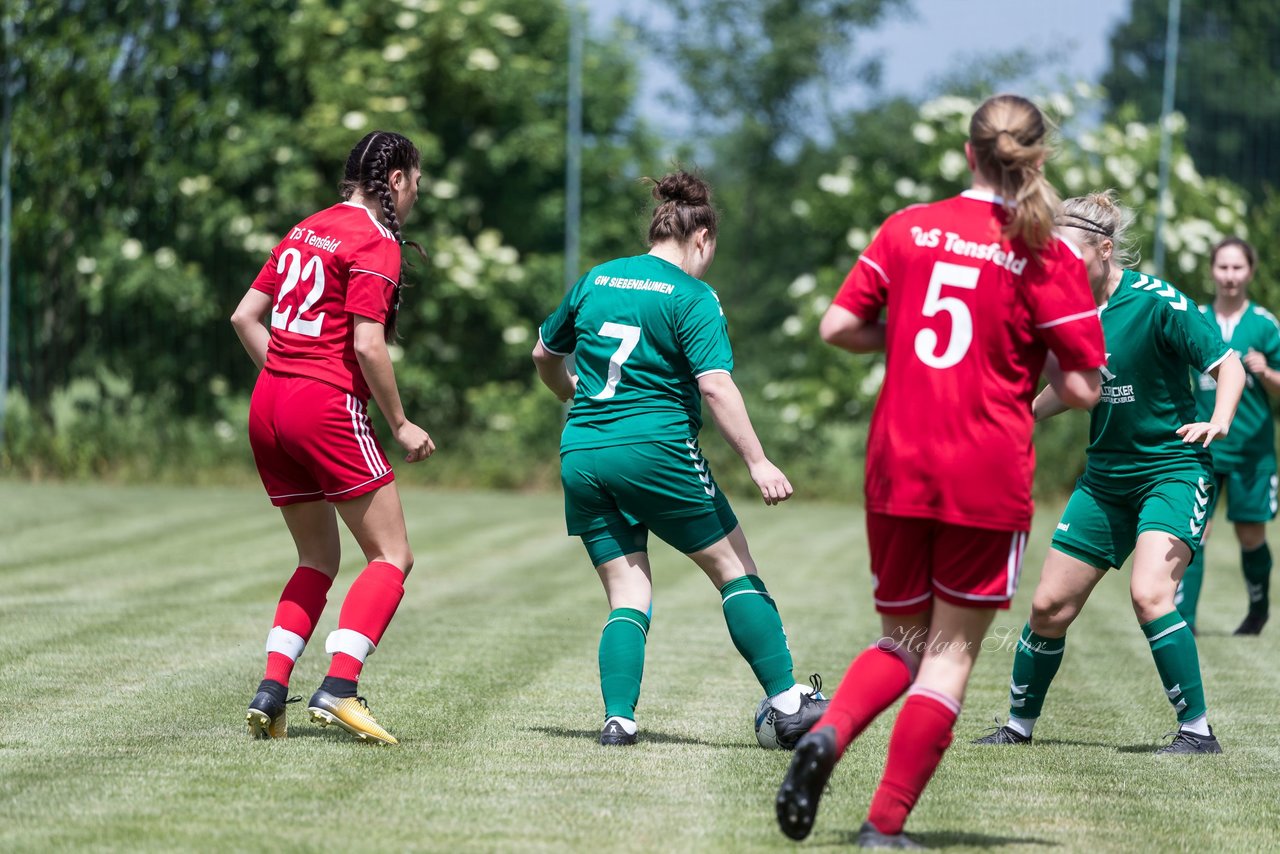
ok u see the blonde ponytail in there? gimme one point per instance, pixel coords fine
(1007, 136)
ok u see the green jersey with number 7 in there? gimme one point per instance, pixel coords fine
(642, 331)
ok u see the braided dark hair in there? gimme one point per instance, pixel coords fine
(369, 167)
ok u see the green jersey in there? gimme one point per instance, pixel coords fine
(1251, 442)
(1153, 334)
(642, 331)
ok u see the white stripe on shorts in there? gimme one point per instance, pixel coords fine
(885, 603)
(1013, 569)
(364, 436)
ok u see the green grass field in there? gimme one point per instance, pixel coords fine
(133, 624)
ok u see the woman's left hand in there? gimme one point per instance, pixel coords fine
(1198, 430)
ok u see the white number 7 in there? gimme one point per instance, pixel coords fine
(630, 336)
(951, 276)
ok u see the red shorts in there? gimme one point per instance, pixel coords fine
(312, 440)
(913, 560)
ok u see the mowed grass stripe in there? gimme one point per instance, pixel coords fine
(489, 676)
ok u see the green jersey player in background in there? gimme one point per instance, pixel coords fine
(650, 343)
(1244, 463)
(1147, 481)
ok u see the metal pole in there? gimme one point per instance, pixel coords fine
(573, 159)
(6, 221)
(1166, 137)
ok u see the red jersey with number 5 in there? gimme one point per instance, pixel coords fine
(332, 265)
(970, 317)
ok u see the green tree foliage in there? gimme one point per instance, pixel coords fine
(760, 77)
(162, 148)
(121, 117)
(1228, 81)
(818, 398)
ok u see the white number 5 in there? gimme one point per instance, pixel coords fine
(952, 276)
(630, 336)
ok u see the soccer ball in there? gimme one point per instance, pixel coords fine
(765, 733)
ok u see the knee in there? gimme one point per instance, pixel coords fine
(1051, 617)
(1151, 605)
(325, 561)
(405, 562)
(1251, 537)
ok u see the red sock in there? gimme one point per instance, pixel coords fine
(370, 604)
(301, 604)
(873, 683)
(920, 736)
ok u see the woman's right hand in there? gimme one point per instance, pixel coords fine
(774, 486)
(415, 441)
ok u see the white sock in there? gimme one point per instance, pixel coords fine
(788, 702)
(1199, 726)
(1022, 726)
(628, 725)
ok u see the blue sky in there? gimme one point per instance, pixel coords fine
(921, 46)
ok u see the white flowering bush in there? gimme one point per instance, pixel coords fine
(816, 401)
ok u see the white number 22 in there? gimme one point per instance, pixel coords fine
(630, 336)
(951, 276)
(313, 270)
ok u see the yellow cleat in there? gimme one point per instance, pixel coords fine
(350, 713)
(266, 717)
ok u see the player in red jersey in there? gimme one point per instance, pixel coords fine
(316, 321)
(981, 298)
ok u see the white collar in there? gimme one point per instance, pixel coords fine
(366, 210)
(983, 196)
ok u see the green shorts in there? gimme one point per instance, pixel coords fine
(1250, 494)
(614, 496)
(1101, 528)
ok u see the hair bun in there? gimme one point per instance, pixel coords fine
(682, 188)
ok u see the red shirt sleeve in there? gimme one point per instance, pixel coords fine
(866, 289)
(374, 272)
(1064, 312)
(268, 279)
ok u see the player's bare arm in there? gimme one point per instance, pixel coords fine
(1256, 363)
(1230, 377)
(375, 363)
(846, 330)
(730, 414)
(248, 320)
(554, 373)
(1066, 390)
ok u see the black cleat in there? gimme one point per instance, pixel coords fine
(266, 717)
(802, 788)
(614, 734)
(789, 728)
(1003, 735)
(1185, 741)
(1252, 625)
(869, 837)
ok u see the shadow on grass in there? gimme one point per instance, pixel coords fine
(949, 839)
(1066, 742)
(333, 732)
(1149, 748)
(645, 736)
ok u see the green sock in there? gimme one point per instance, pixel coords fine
(622, 661)
(1188, 595)
(1257, 578)
(1174, 649)
(757, 632)
(1035, 662)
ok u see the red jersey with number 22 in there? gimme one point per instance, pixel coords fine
(970, 317)
(332, 265)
